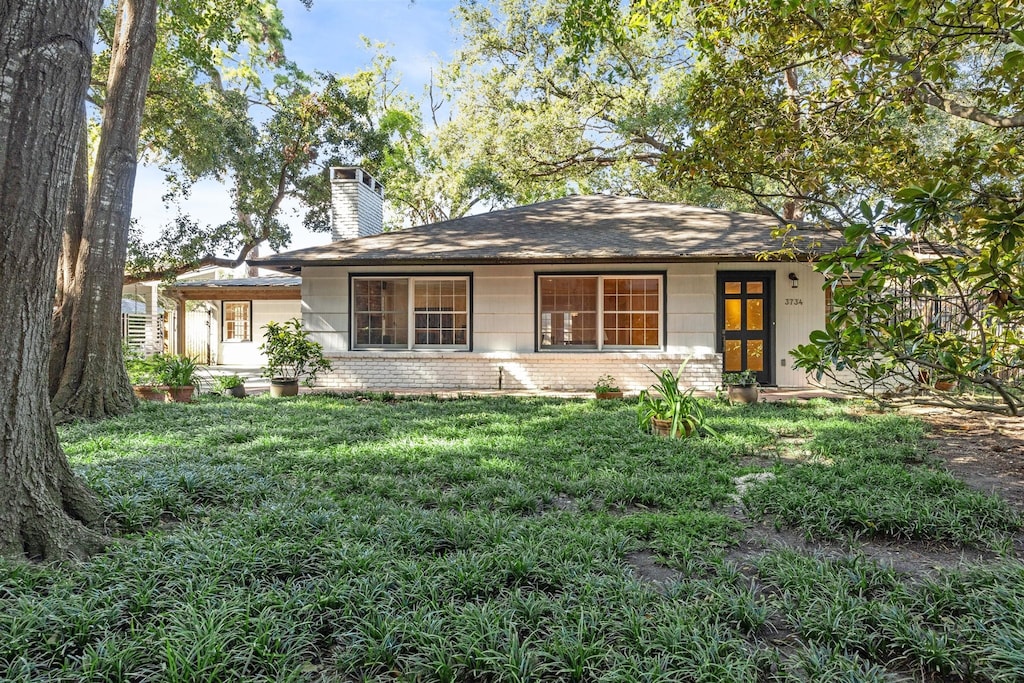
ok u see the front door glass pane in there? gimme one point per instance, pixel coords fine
(755, 314)
(733, 314)
(755, 355)
(733, 355)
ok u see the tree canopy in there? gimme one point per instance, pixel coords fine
(898, 122)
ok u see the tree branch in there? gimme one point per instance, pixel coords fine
(928, 93)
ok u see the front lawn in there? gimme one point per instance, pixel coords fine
(513, 539)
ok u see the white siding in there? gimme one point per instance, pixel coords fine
(248, 353)
(503, 329)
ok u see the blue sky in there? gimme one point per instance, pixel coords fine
(327, 38)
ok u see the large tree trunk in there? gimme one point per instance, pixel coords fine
(45, 53)
(74, 221)
(87, 344)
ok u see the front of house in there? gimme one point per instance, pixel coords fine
(552, 295)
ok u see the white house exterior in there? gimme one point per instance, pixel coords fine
(223, 320)
(554, 295)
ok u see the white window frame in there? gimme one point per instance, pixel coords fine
(601, 346)
(411, 312)
(224, 322)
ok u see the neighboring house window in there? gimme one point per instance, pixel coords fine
(434, 309)
(237, 316)
(600, 311)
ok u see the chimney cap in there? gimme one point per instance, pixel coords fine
(356, 174)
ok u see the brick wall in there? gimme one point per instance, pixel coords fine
(357, 204)
(535, 371)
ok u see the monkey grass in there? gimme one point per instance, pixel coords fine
(339, 538)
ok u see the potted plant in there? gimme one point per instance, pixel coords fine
(179, 376)
(742, 386)
(230, 385)
(667, 410)
(291, 355)
(945, 383)
(143, 375)
(606, 388)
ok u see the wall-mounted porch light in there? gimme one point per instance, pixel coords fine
(794, 280)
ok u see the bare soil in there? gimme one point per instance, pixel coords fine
(984, 451)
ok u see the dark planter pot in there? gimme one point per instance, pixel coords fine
(742, 394)
(146, 392)
(605, 395)
(235, 392)
(284, 387)
(178, 394)
(664, 428)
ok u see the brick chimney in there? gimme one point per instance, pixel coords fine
(357, 203)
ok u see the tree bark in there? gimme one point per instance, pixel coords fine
(74, 221)
(87, 347)
(45, 54)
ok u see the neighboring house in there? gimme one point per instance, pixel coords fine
(552, 295)
(213, 315)
(222, 320)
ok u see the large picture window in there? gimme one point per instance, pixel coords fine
(434, 309)
(599, 311)
(237, 317)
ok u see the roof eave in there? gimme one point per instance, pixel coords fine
(296, 265)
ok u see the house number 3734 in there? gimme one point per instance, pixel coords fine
(794, 302)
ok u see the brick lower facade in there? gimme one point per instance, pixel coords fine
(535, 371)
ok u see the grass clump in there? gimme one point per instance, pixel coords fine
(362, 538)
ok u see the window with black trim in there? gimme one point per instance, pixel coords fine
(237, 321)
(410, 312)
(620, 311)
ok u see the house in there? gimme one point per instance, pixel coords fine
(213, 315)
(221, 320)
(553, 295)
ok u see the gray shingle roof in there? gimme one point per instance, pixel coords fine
(579, 229)
(267, 281)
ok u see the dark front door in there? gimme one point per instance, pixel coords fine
(745, 324)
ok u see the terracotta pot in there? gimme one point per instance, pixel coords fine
(944, 385)
(178, 394)
(235, 392)
(605, 395)
(664, 428)
(739, 394)
(147, 392)
(284, 387)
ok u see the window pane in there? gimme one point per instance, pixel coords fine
(755, 288)
(236, 321)
(733, 287)
(733, 314)
(635, 304)
(733, 355)
(755, 355)
(755, 314)
(442, 312)
(568, 312)
(380, 308)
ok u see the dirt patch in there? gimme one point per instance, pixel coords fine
(984, 451)
(646, 568)
(913, 558)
